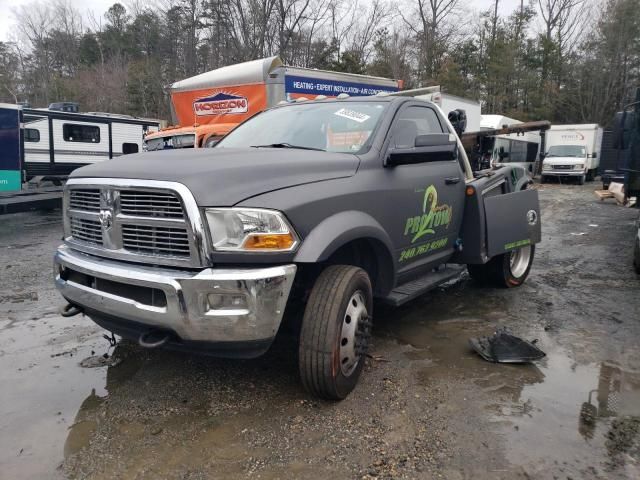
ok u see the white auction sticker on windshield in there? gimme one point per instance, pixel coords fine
(353, 115)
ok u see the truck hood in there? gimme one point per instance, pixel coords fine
(224, 176)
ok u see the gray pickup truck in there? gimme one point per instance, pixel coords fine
(315, 207)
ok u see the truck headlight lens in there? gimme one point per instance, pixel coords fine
(546, 166)
(250, 229)
(578, 166)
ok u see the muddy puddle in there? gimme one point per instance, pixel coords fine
(42, 390)
(580, 419)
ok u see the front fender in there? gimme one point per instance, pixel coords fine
(338, 230)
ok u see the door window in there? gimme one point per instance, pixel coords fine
(414, 121)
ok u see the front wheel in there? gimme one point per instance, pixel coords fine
(508, 270)
(335, 332)
(581, 180)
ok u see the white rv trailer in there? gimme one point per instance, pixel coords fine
(56, 142)
(515, 148)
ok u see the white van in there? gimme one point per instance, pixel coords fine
(572, 151)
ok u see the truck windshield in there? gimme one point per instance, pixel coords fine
(566, 151)
(170, 142)
(333, 127)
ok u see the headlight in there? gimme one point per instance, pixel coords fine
(546, 166)
(250, 229)
(578, 166)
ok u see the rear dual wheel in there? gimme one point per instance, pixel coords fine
(335, 332)
(509, 270)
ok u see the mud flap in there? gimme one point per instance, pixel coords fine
(512, 220)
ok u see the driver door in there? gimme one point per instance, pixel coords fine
(428, 196)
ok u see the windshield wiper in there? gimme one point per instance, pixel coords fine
(287, 145)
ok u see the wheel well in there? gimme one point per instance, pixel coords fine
(372, 256)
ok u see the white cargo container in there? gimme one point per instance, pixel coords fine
(572, 151)
(448, 103)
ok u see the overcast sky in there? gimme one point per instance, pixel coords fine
(98, 7)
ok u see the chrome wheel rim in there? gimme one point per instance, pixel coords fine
(519, 261)
(354, 317)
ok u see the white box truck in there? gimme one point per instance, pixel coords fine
(572, 151)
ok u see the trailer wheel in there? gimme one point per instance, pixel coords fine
(335, 332)
(507, 270)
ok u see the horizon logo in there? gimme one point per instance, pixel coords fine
(221, 103)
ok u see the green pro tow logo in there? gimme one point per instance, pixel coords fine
(433, 216)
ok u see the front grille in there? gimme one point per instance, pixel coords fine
(156, 240)
(563, 167)
(150, 204)
(86, 230)
(85, 199)
(141, 224)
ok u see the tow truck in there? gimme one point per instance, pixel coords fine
(308, 211)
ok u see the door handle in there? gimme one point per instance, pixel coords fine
(451, 180)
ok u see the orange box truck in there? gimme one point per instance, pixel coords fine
(208, 106)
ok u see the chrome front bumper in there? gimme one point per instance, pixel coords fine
(563, 173)
(211, 305)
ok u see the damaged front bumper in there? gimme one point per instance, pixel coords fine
(227, 311)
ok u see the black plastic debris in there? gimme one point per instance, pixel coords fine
(502, 347)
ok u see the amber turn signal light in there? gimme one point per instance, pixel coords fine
(269, 241)
(470, 191)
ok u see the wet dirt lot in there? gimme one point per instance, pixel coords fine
(426, 407)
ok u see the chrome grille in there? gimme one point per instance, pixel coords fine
(155, 222)
(156, 240)
(85, 199)
(150, 204)
(563, 167)
(86, 230)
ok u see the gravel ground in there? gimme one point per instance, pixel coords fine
(426, 406)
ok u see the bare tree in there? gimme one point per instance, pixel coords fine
(433, 31)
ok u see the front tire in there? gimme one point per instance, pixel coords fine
(581, 180)
(508, 270)
(335, 332)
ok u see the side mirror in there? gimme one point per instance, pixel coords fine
(433, 147)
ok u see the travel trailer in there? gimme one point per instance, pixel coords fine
(56, 142)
